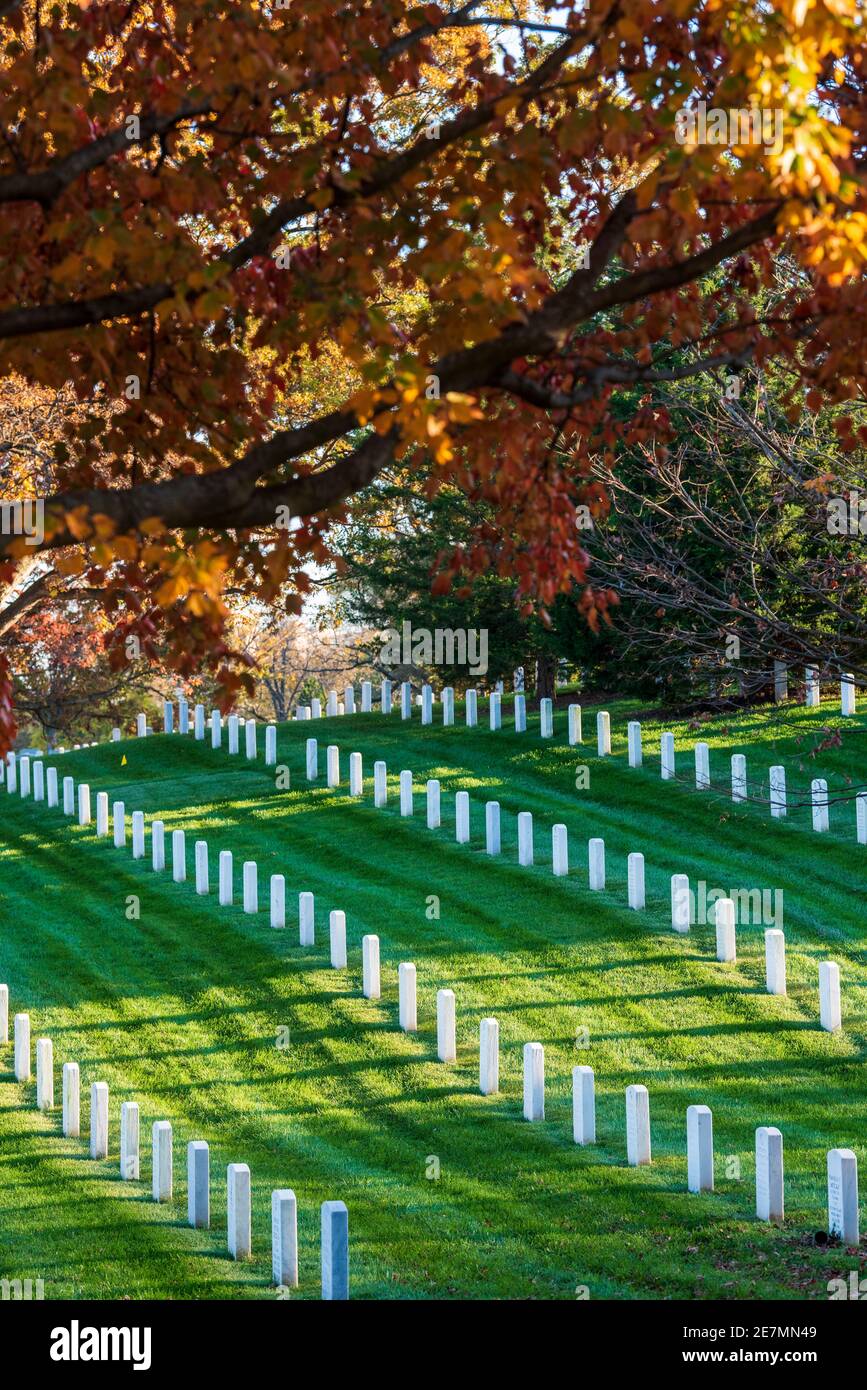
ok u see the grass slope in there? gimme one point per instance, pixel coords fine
(181, 1009)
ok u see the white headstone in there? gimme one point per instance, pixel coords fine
(699, 1148)
(520, 712)
(525, 838)
(560, 850)
(179, 856)
(332, 765)
(433, 804)
(583, 1106)
(385, 697)
(489, 1056)
(380, 783)
(250, 745)
(238, 1211)
(130, 1162)
(306, 920)
(769, 1174)
(68, 796)
(633, 741)
(726, 939)
(546, 718)
(860, 817)
(51, 783)
(278, 900)
(426, 704)
(446, 1043)
(251, 887)
(812, 687)
(71, 1100)
(270, 745)
(337, 932)
(44, 1074)
(331, 704)
(492, 827)
(637, 1126)
(702, 766)
(471, 708)
(183, 716)
(575, 732)
(778, 791)
(168, 717)
(356, 775)
(462, 817)
(225, 876)
(99, 1120)
(284, 1224)
(680, 903)
(739, 777)
(201, 857)
(199, 722)
(312, 760)
(635, 881)
(406, 994)
(216, 728)
(370, 986)
(829, 996)
(596, 860)
(534, 1081)
(847, 694)
(118, 824)
(12, 774)
(158, 846)
(366, 697)
(406, 793)
(603, 733)
(4, 1015)
(138, 835)
(349, 699)
(819, 793)
(667, 757)
(161, 1188)
(198, 1184)
(495, 711)
(141, 725)
(448, 706)
(775, 961)
(406, 700)
(24, 778)
(101, 812)
(843, 1196)
(335, 1252)
(115, 735)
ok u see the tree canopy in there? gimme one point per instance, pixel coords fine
(279, 251)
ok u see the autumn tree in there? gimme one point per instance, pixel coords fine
(437, 209)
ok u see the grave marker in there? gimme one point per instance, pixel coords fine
(51, 782)
(332, 765)
(534, 1081)
(198, 1185)
(603, 733)
(680, 904)
(525, 838)
(12, 775)
(739, 777)
(331, 704)
(251, 887)
(462, 817)
(489, 1056)
(667, 757)
(492, 827)
(829, 996)
(520, 712)
(335, 1251)
(101, 813)
(778, 791)
(860, 817)
(407, 1007)
(312, 760)
(130, 1163)
(380, 784)
(495, 711)
(448, 706)
(216, 728)
(433, 804)
(471, 709)
(633, 740)
(168, 717)
(315, 709)
(847, 694)
(225, 885)
(699, 1148)
(349, 699)
(83, 799)
(24, 776)
(284, 1224)
(238, 1211)
(635, 881)
(702, 766)
(819, 793)
(356, 776)
(99, 1120)
(71, 1101)
(201, 857)
(575, 734)
(560, 850)
(366, 697)
(199, 723)
(337, 932)
(179, 856)
(370, 986)
(583, 1106)
(775, 961)
(251, 747)
(385, 697)
(4, 1015)
(68, 796)
(769, 1174)
(306, 921)
(406, 700)
(812, 687)
(270, 745)
(446, 1043)
(724, 917)
(406, 808)
(546, 718)
(278, 900)
(138, 835)
(843, 1196)
(158, 846)
(596, 858)
(426, 704)
(141, 726)
(637, 1126)
(781, 682)
(118, 822)
(44, 1074)
(183, 716)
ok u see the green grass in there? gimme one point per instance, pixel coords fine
(180, 1011)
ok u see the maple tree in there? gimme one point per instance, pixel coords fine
(474, 224)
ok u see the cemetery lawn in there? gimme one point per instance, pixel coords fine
(451, 1194)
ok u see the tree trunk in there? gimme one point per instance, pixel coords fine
(546, 674)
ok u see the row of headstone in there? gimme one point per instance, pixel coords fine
(334, 1216)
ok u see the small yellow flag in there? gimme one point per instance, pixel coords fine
(123, 760)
